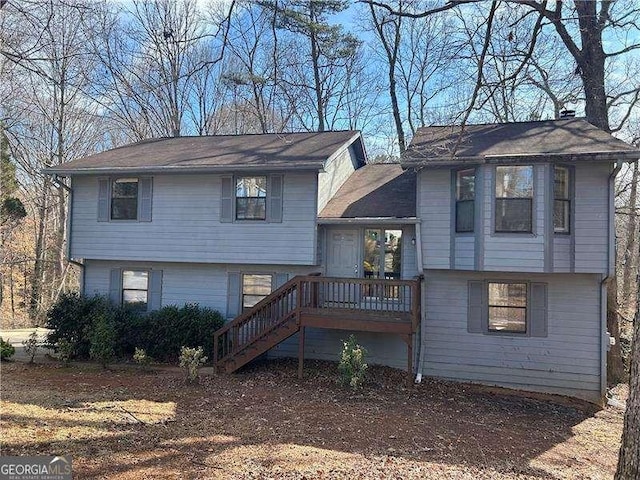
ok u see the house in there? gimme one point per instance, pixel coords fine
(481, 257)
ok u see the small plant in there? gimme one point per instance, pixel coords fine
(6, 350)
(102, 340)
(141, 358)
(31, 345)
(352, 366)
(191, 359)
(65, 350)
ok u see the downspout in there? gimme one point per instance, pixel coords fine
(60, 183)
(604, 336)
(418, 233)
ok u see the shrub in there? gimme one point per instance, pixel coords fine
(70, 318)
(141, 358)
(31, 346)
(191, 359)
(102, 340)
(160, 333)
(6, 350)
(65, 350)
(352, 367)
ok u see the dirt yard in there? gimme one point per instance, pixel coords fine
(265, 423)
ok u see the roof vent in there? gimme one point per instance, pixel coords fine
(567, 114)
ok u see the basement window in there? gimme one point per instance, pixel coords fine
(254, 288)
(508, 307)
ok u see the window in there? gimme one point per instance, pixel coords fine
(124, 199)
(251, 198)
(254, 289)
(508, 307)
(135, 288)
(561, 200)
(514, 199)
(465, 200)
(382, 254)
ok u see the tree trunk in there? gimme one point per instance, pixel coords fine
(315, 57)
(629, 458)
(615, 366)
(630, 248)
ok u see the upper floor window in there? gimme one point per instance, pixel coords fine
(251, 198)
(124, 199)
(135, 288)
(561, 200)
(514, 199)
(465, 199)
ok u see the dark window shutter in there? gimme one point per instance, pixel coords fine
(103, 200)
(274, 194)
(115, 286)
(233, 295)
(145, 194)
(226, 205)
(279, 279)
(539, 307)
(155, 290)
(477, 311)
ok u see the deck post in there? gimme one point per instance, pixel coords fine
(409, 340)
(300, 351)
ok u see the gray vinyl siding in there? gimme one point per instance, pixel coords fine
(186, 225)
(204, 284)
(464, 252)
(434, 210)
(567, 361)
(562, 253)
(323, 344)
(591, 213)
(583, 251)
(334, 175)
(408, 254)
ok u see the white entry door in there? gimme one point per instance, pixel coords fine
(343, 259)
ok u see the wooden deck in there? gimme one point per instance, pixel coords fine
(356, 304)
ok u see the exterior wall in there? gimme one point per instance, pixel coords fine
(584, 250)
(204, 284)
(434, 209)
(186, 225)
(565, 362)
(591, 215)
(335, 174)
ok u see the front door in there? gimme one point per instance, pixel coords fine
(343, 259)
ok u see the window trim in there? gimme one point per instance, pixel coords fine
(568, 200)
(113, 180)
(531, 201)
(457, 201)
(122, 289)
(527, 309)
(235, 179)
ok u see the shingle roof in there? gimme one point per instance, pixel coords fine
(218, 153)
(375, 190)
(565, 139)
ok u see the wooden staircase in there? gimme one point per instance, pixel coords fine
(373, 305)
(272, 320)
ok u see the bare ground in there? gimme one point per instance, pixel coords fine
(265, 423)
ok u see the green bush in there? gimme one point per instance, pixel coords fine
(141, 358)
(160, 333)
(103, 340)
(352, 367)
(65, 351)
(31, 346)
(6, 350)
